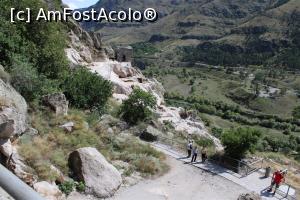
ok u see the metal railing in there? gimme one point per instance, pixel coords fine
(286, 194)
(238, 166)
(15, 187)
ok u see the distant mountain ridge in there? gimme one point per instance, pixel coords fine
(236, 26)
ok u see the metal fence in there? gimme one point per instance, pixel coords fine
(238, 166)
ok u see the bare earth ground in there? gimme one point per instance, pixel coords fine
(183, 181)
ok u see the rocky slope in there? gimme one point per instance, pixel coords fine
(125, 77)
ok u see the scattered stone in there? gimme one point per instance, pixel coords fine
(101, 178)
(150, 134)
(110, 131)
(48, 191)
(57, 102)
(133, 179)
(250, 196)
(68, 127)
(6, 148)
(123, 71)
(60, 178)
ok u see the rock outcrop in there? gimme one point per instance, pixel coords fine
(125, 78)
(16, 164)
(100, 177)
(57, 102)
(84, 47)
(13, 112)
(185, 124)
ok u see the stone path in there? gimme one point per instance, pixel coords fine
(253, 182)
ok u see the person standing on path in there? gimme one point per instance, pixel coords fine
(189, 148)
(204, 155)
(277, 179)
(195, 154)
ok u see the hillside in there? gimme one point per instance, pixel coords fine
(252, 31)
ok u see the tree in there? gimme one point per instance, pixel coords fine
(239, 141)
(138, 106)
(87, 90)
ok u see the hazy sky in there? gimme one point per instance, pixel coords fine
(79, 3)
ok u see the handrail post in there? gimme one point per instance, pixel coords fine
(287, 193)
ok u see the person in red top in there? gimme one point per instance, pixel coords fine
(277, 179)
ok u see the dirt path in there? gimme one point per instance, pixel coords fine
(183, 181)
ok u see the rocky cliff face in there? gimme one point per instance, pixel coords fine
(13, 123)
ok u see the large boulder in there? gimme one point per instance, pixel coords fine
(13, 112)
(249, 196)
(100, 177)
(57, 102)
(123, 71)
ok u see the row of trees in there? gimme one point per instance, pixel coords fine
(235, 113)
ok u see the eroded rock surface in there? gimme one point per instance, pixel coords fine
(101, 178)
(13, 112)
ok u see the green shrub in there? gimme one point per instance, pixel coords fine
(239, 141)
(67, 187)
(296, 112)
(204, 142)
(80, 187)
(138, 106)
(25, 79)
(217, 132)
(87, 90)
